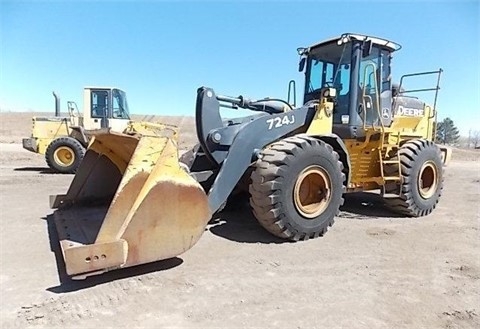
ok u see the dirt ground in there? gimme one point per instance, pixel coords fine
(371, 270)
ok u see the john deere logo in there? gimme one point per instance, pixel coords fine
(385, 113)
(410, 112)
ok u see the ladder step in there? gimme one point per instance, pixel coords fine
(391, 145)
(391, 178)
(380, 180)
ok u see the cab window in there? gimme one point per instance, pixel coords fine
(370, 81)
(385, 60)
(369, 74)
(342, 80)
(99, 103)
(321, 73)
(118, 108)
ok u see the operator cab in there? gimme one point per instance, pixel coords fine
(358, 67)
(105, 108)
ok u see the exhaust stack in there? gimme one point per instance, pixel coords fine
(57, 104)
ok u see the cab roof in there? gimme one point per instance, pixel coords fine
(346, 37)
(101, 87)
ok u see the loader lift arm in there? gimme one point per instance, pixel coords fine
(230, 146)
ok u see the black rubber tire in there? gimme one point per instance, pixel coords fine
(414, 155)
(67, 143)
(273, 181)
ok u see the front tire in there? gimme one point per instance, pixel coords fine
(64, 155)
(422, 185)
(297, 187)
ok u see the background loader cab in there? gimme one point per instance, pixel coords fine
(63, 140)
(102, 108)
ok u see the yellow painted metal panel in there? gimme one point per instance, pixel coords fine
(322, 122)
(141, 196)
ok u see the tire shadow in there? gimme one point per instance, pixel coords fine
(364, 206)
(238, 224)
(41, 170)
(69, 285)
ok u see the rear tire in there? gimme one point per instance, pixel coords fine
(64, 155)
(297, 186)
(422, 185)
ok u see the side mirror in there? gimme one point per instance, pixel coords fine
(367, 48)
(301, 65)
(292, 88)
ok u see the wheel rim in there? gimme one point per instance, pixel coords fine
(64, 156)
(312, 192)
(428, 180)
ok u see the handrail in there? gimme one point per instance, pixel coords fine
(291, 85)
(377, 102)
(436, 88)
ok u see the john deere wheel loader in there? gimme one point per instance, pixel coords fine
(63, 140)
(133, 202)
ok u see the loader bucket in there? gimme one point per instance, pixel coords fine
(129, 203)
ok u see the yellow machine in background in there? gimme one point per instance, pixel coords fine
(134, 201)
(63, 140)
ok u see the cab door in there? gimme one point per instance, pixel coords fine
(375, 88)
(100, 108)
(120, 115)
(96, 108)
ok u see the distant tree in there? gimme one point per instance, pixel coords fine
(463, 142)
(447, 133)
(474, 138)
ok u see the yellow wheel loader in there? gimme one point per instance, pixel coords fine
(133, 201)
(63, 140)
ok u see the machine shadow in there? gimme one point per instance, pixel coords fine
(364, 206)
(41, 170)
(237, 223)
(68, 285)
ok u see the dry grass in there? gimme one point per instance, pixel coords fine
(466, 154)
(17, 125)
(186, 125)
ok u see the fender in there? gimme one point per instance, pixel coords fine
(339, 146)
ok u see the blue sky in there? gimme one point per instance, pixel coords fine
(161, 52)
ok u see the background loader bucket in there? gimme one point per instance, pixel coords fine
(129, 203)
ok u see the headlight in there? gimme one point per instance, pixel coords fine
(330, 92)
